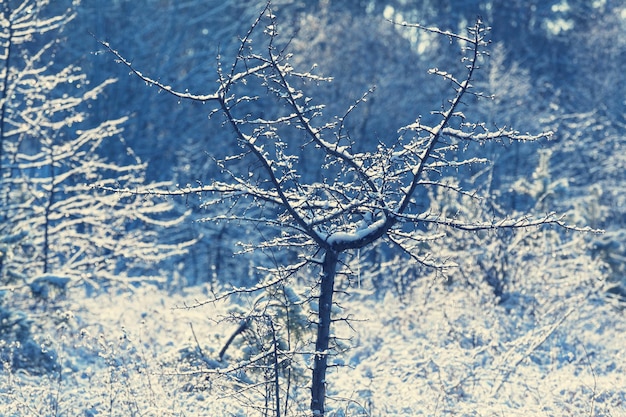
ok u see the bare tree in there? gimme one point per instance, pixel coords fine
(51, 220)
(360, 197)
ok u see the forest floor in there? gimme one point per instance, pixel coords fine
(436, 352)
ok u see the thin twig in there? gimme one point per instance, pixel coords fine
(595, 381)
(197, 343)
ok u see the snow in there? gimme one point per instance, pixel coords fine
(343, 238)
(440, 352)
(542, 340)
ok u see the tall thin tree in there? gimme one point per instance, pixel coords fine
(50, 153)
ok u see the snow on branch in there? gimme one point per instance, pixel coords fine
(425, 259)
(225, 189)
(23, 27)
(341, 153)
(506, 223)
(216, 96)
(279, 277)
(433, 29)
(501, 133)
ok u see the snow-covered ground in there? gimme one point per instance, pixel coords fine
(439, 352)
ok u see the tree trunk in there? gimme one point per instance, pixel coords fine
(47, 215)
(327, 288)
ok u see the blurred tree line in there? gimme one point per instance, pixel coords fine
(558, 59)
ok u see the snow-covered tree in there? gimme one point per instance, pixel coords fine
(362, 195)
(56, 230)
(53, 222)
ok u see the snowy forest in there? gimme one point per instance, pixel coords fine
(312, 208)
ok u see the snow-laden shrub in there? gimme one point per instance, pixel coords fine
(20, 349)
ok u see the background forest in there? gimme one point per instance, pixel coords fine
(115, 303)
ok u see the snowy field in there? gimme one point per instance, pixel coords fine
(438, 352)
